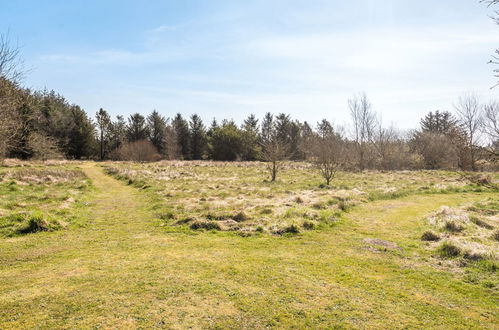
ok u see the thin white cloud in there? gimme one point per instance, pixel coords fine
(406, 71)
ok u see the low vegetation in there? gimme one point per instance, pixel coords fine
(39, 197)
(468, 235)
(218, 245)
(241, 197)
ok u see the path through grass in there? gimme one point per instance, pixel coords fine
(122, 270)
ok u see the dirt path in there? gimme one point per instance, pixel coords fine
(123, 271)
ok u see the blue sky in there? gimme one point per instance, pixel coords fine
(227, 59)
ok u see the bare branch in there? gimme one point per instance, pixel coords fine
(11, 64)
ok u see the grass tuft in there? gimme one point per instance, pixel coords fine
(241, 216)
(430, 236)
(453, 227)
(208, 225)
(449, 250)
(480, 223)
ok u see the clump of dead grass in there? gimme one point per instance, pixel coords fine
(44, 176)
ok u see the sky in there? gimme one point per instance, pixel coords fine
(228, 59)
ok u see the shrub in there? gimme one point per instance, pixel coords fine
(139, 151)
(449, 250)
(208, 225)
(430, 236)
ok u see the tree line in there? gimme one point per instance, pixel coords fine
(44, 125)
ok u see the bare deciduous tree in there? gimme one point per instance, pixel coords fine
(11, 71)
(11, 65)
(327, 150)
(274, 151)
(491, 127)
(491, 120)
(470, 116)
(495, 57)
(364, 122)
(385, 143)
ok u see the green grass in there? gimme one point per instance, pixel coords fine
(201, 191)
(40, 198)
(127, 269)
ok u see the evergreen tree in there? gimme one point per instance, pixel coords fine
(267, 126)
(181, 129)
(439, 122)
(226, 142)
(137, 129)
(295, 140)
(117, 133)
(198, 137)
(283, 127)
(157, 131)
(81, 135)
(213, 127)
(250, 146)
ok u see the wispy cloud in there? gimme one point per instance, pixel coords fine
(307, 64)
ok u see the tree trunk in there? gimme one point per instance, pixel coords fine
(274, 171)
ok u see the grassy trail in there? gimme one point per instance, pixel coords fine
(123, 271)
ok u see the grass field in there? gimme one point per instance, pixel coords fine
(214, 245)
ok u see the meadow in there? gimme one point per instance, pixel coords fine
(216, 245)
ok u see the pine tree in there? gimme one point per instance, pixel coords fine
(81, 137)
(439, 122)
(157, 131)
(250, 147)
(267, 126)
(137, 129)
(181, 129)
(198, 137)
(117, 133)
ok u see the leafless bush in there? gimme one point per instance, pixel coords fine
(139, 151)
